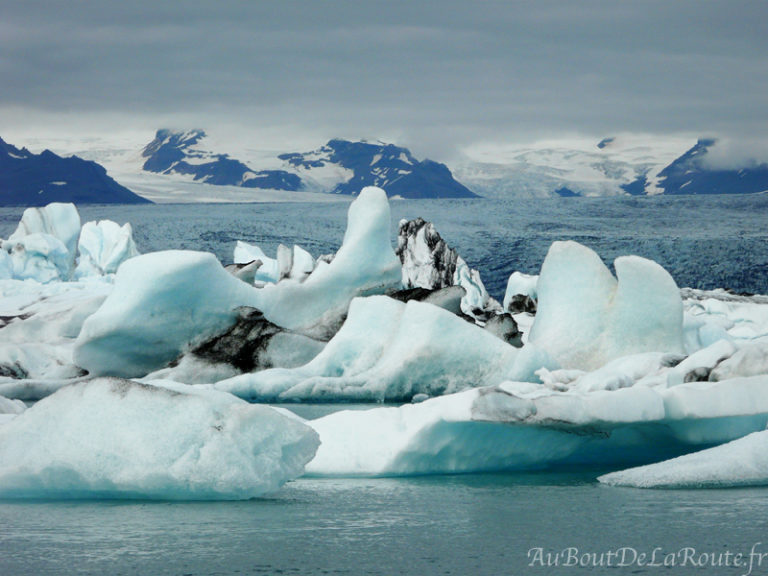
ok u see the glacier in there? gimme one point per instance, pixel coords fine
(579, 366)
(113, 438)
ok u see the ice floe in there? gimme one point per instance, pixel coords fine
(387, 351)
(523, 426)
(578, 367)
(742, 462)
(112, 438)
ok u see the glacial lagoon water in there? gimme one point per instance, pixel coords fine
(482, 525)
(704, 241)
(504, 524)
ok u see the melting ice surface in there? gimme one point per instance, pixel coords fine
(610, 370)
(117, 438)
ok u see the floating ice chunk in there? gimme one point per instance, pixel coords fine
(499, 428)
(742, 462)
(574, 289)
(699, 365)
(303, 264)
(586, 318)
(40, 257)
(521, 293)
(44, 245)
(365, 264)
(103, 246)
(476, 303)
(59, 220)
(294, 263)
(428, 262)
(646, 314)
(120, 439)
(161, 303)
(523, 426)
(749, 360)
(267, 272)
(388, 350)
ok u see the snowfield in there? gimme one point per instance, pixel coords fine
(144, 367)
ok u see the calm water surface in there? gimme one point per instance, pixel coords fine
(461, 525)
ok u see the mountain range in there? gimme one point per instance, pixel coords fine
(28, 179)
(339, 167)
(189, 166)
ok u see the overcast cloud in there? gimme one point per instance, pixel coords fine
(431, 75)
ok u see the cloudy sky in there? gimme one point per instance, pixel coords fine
(435, 76)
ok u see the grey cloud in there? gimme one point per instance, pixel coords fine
(433, 72)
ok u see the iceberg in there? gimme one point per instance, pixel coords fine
(387, 350)
(49, 245)
(113, 438)
(364, 265)
(524, 426)
(58, 220)
(742, 462)
(44, 245)
(38, 327)
(102, 247)
(586, 317)
(162, 304)
(521, 294)
(428, 262)
(294, 263)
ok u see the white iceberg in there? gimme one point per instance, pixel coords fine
(267, 269)
(525, 426)
(103, 247)
(59, 220)
(40, 257)
(520, 286)
(742, 462)
(49, 245)
(586, 317)
(38, 327)
(160, 305)
(295, 263)
(385, 351)
(112, 438)
(365, 264)
(44, 245)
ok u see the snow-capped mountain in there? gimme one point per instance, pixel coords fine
(182, 153)
(614, 166)
(344, 167)
(692, 173)
(339, 167)
(38, 179)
